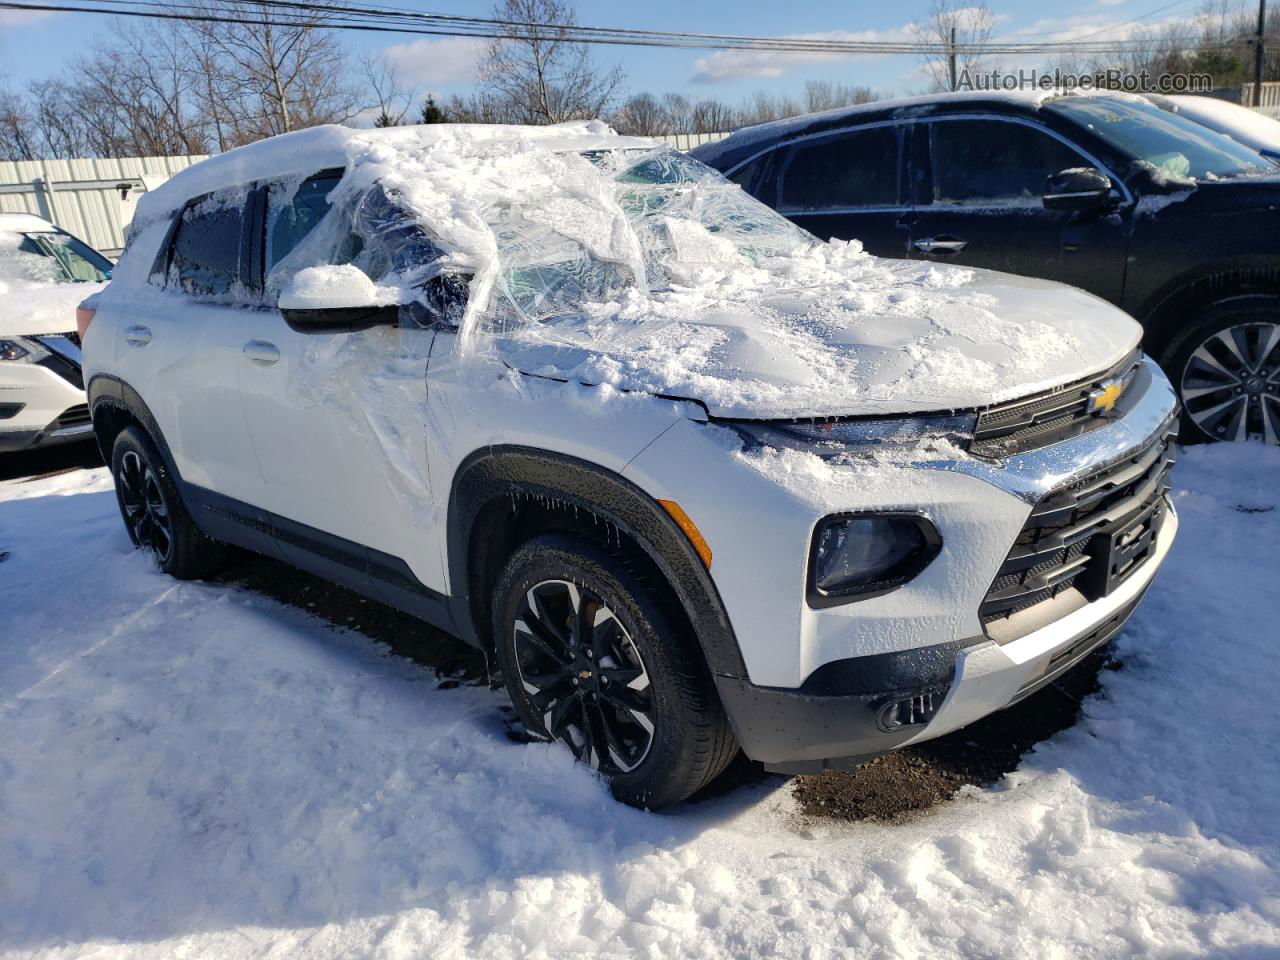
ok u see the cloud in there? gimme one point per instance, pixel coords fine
(23, 18)
(436, 63)
(727, 65)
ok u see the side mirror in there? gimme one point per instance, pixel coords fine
(1080, 188)
(335, 299)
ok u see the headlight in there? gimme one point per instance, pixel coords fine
(13, 350)
(829, 438)
(855, 556)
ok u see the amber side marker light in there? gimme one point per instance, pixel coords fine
(690, 530)
(84, 317)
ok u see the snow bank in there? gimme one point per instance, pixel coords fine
(191, 770)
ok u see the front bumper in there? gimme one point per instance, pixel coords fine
(845, 716)
(43, 404)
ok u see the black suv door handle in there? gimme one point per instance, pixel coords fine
(137, 335)
(260, 351)
(940, 245)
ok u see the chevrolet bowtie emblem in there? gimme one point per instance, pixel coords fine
(1104, 400)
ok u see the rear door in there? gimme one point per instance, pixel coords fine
(978, 202)
(846, 185)
(181, 348)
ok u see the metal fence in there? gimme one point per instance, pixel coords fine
(93, 199)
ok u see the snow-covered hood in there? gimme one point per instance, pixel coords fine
(919, 337)
(32, 308)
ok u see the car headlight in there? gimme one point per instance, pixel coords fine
(830, 438)
(13, 350)
(859, 555)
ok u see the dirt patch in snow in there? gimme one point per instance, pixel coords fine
(902, 785)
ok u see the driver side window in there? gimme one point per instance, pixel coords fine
(293, 215)
(994, 163)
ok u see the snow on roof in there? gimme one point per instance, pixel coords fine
(309, 151)
(1242, 124)
(23, 222)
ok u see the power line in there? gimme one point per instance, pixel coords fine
(382, 19)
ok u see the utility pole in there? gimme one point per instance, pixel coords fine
(1258, 53)
(951, 56)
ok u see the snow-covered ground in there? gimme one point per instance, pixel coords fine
(192, 770)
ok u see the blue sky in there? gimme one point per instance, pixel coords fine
(34, 46)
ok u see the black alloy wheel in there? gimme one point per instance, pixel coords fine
(597, 655)
(584, 675)
(154, 515)
(146, 516)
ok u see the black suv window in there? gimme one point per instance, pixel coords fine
(994, 162)
(856, 169)
(292, 214)
(205, 257)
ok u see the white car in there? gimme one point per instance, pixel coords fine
(1253, 129)
(697, 479)
(44, 273)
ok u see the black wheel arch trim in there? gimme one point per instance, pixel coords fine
(1168, 313)
(511, 471)
(106, 391)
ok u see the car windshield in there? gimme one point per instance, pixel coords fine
(60, 258)
(1173, 147)
(656, 220)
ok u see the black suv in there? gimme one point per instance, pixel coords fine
(1172, 221)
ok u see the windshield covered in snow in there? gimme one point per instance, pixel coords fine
(1171, 146)
(48, 256)
(657, 220)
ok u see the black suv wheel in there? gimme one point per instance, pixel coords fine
(153, 512)
(1227, 372)
(591, 659)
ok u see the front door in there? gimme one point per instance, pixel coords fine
(978, 203)
(338, 419)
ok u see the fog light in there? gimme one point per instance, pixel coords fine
(856, 556)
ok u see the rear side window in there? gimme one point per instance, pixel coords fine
(292, 214)
(205, 255)
(856, 169)
(994, 162)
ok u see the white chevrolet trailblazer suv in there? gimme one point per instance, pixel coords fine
(696, 479)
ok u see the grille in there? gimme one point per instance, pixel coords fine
(1063, 546)
(77, 416)
(1046, 418)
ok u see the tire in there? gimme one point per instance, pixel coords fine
(637, 704)
(153, 513)
(1226, 369)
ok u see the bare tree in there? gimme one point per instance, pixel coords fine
(825, 95)
(392, 99)
(713, 116)
(643, 115)
(19, 138)
(271, 77)
(954, 22)
(534, 74)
